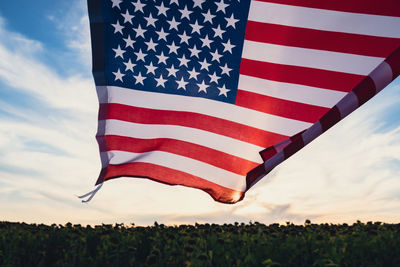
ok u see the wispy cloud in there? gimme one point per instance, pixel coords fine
(17, 42)
(21, 70)
(344, 174)
(74, 25)
(47, 148)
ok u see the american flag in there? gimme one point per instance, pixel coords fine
(214, 94)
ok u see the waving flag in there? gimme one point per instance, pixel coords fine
(215, 94)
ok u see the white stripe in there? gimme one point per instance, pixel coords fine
(348, 104)
(281, 145)
(310, 58)
(274, 161)
(289, 91)
(193, 167)
(200, 137)
(382, 76)
(312, 133)
(204, 106)
(269, 165)
(327, 20)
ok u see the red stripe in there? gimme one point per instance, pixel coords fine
(295, 146)
(189, 119)
(394, 61)
(365, 90)
(268, 153)
(272, 150)
(173, 177)
(280, 107)
(327, 121)
(210, 156)
(253, 175)
(381, 7)
(333, 80)
(321, 40)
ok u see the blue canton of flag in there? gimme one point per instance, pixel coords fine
(176, 47)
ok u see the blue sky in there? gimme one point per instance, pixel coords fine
(48, 153)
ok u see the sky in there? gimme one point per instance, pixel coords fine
(49, 155)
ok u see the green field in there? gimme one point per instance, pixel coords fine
(254, 244)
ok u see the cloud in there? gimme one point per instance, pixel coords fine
(17, 42)
(48, 151)
(20, 70)
(346, 173)
(82, 43)
(74, 26)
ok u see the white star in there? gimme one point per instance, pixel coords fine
(221, 6)
(117, 27)
(127, 17)
(196, 27)
(150, 21)
(198, 3)
(172, 71)
(173, 24)
(150, 68)
(119, 52)
(204, 64)
(223, 90)
(193, 74)
(206, 42)
(202, 87)
(140, 55)
(231, 22)
(138, 6)
(228, 46)
(183, 61)
(115, 3)
(129, 65)
(184, 38)
(162, 34)
(139, 31)
(151, 45)
(139, 78)
(174, 2)
(215, 55)
(185, 13)
(128, 42)
(208, 17)
(218, 32)
(181, 84)
(118, 76)
(225, 69)
(194, 51)
(162, 58)
(162, 10)
(160, 81)
(214, 78)
(173, 48)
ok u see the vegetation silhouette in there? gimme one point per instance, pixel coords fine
(253, 244)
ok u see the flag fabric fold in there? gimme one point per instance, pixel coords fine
(385, 73)
(214, 94)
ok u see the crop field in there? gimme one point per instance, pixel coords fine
(253, 244)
